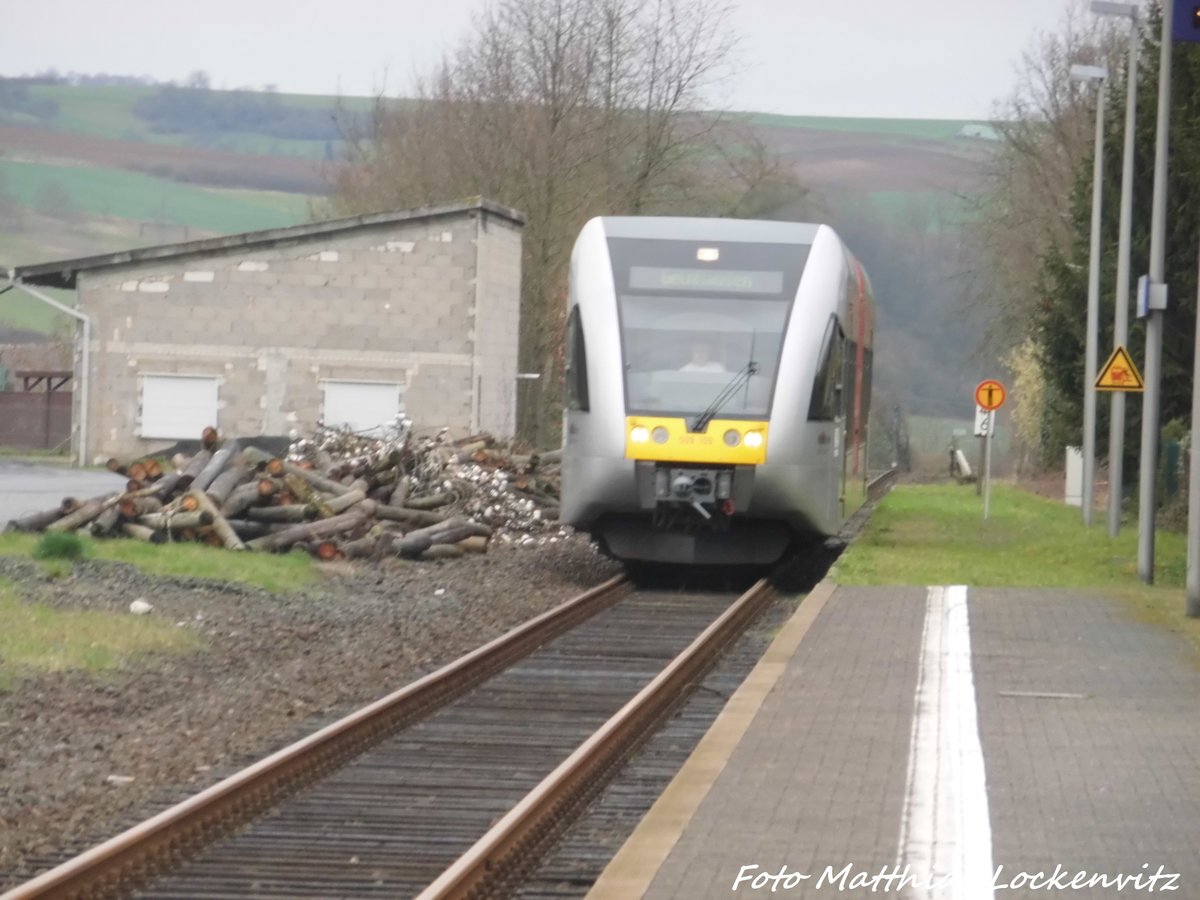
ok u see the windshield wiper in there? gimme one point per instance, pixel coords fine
(741, 379)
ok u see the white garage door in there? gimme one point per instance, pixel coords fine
(361, 406)
(178, 406)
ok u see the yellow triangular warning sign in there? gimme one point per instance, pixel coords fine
(1119, 373)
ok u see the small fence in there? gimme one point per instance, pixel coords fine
(38, 417)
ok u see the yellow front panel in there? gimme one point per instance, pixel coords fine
(683, 446)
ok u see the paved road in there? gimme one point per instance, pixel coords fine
(26, 488)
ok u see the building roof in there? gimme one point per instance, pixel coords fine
(62, 273)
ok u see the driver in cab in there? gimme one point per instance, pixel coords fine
(702, 360)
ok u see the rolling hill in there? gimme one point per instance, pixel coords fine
(90, 169)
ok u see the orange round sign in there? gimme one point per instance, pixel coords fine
(990, 394)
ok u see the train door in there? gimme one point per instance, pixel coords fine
(828, 405)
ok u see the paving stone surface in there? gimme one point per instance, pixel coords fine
(1089, 720)
(818, 779)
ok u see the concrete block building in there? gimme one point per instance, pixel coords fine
(351, 322)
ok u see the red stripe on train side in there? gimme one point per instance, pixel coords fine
(859, 363)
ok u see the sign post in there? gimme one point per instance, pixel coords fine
(989, 397)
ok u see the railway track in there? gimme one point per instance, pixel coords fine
(391, 820)
(392, 800)
(579, 857)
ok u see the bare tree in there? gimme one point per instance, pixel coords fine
(567, 109)
(1046, 129)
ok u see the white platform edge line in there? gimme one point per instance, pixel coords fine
(945, 841)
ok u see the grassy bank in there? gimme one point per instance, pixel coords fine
(935, 534)
(37, 638)
(277, 573)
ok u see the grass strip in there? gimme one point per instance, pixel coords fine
(935, 534)
(37, 638)
(278, 573)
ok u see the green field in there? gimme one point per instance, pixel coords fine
(102, 111)
(107, 112)
(79, 210)
(935, 129)
(116, 193)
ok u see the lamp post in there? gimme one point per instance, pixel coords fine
(1186, 19)
(1099, 75)
(1116, 434)
(1148, 475)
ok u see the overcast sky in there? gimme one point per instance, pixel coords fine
(888, 58)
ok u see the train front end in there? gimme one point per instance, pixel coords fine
(692, 357)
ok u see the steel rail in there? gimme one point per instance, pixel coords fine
(513, 842)
(119, 864)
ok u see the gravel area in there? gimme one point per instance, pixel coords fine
(273, 668)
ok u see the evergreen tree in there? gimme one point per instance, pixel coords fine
(1059, 322)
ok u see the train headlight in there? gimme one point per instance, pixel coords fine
(754, 439)
(639, 434)
(659, 434)
(732, 438)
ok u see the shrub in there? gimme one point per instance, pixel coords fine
(59, 546)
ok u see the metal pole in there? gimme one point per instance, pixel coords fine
(979, 463)
(987, 472)
(1093, 319)
(1193, 532)
(1116, 434)
(1148, 481)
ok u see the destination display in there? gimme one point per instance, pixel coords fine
(656, 278)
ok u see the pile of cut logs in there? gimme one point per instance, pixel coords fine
(336, 495)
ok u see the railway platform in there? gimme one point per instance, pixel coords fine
(943, 743)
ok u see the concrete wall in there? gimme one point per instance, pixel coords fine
(401, 303)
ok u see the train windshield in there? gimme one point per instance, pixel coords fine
(695, 315)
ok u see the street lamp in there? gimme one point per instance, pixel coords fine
(1116, 434)
(1099, 75)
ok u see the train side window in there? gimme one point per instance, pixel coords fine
(576, 375)
(827, 386)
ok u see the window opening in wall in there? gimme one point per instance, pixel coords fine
(364, 407)
(176, 407)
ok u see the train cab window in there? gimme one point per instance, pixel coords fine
(825, 404)
(576, 375)
(697, 328)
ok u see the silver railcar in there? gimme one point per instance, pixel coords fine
(718, 387)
